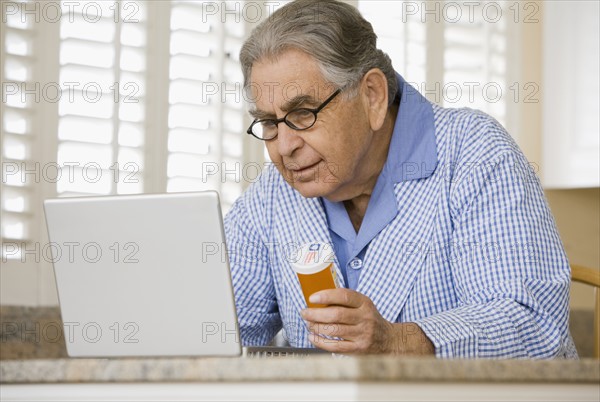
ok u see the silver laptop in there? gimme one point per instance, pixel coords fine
(143, 275)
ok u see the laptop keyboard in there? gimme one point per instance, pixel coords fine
(260, 352)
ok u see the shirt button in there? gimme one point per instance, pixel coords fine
(356, 263)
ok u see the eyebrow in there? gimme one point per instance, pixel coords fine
(295, 102)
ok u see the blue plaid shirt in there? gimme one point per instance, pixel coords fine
(457, 238)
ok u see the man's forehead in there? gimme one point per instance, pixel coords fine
(281, 78)
(285, 91)
(289, 64)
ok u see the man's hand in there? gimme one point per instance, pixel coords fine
(353, 319)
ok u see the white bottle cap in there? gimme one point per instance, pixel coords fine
(313, 258)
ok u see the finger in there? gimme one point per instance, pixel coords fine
(347, 332)
(331, 315)
(332, 345)
(339, 297)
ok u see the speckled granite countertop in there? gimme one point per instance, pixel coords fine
(312, 368)
(30, 352)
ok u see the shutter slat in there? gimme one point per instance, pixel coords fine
(102, 128)
(203, 70)
(19, 172)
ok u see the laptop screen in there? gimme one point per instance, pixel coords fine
(143, 275)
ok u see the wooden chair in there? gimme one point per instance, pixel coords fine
(590, 276)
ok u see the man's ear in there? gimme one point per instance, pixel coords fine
(375, 95)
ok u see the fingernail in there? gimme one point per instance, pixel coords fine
(314, 298)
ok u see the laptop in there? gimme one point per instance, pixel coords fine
(146, 275)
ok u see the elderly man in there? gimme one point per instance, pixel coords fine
(444, 243)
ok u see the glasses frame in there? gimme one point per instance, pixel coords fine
(276, 122)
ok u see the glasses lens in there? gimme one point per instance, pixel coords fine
(301, 118)
(264, 129)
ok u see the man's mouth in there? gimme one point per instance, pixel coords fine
(303, 173)
(296, 169)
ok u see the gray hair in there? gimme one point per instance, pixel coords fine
(334, 33)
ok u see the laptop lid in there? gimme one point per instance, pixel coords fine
(143, 275)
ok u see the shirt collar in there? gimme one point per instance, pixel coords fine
(412, 155)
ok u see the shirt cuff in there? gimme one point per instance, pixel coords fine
(451, 334)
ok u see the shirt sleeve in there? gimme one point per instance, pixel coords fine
(255, 297)
(510, 272)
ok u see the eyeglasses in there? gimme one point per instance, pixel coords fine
(297, 119)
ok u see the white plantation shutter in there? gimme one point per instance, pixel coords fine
(17, 139)
(206, 113)
(453, 52)
(101, 122)
(149, 100)
(475, 61)
(401, 36)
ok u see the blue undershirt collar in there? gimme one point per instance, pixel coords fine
(412, 155)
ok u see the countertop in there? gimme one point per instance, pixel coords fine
(308, 368)
(32, 351)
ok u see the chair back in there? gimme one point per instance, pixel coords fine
(590, 276)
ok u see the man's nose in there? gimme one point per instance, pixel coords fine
(288, 140)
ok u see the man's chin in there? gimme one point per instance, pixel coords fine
(329, 191)
(310, 189)
(311, 185)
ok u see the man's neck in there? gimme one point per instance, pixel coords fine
(357, 206)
